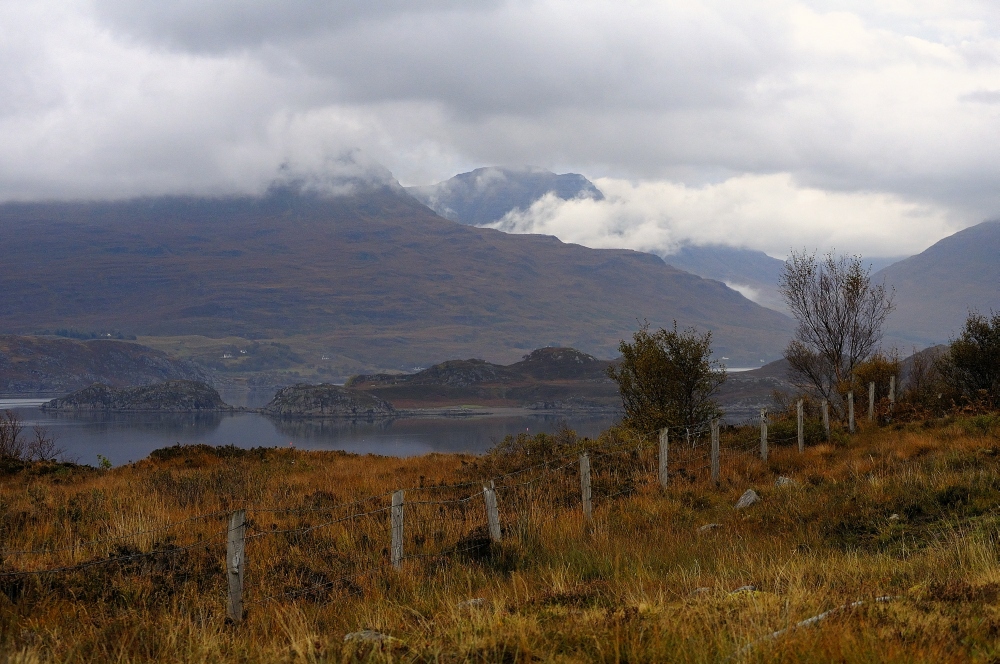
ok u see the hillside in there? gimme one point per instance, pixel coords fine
(486, 194)
(367, 281)
(936, 288)
(41, 364)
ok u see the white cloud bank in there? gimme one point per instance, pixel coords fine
(769, 213)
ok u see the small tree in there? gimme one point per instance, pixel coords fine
(840, 315)
(971, 366)
(667, 378)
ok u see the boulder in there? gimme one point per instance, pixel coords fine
(749, 498)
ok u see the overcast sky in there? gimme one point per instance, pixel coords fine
(862, 126)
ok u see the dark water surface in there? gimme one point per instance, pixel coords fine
(124, 437)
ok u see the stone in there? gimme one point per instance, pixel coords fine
(367, 636)
(473, 603)
(785, 481)
(744, 589)
(701, 591)
(748, 498)
(709, 527)
(894, 517)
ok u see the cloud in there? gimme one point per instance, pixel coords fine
(770, 213)
(881, 111)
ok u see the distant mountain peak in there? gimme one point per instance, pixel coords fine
(485, 195)
(346, 174)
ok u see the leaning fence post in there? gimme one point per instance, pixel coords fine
(826, 419)
(714, 459)
(800, 418)
(763, 434)
(492, 516)
(396, 516)
(664, 441)
(892, 391)
(588, 514)
(871, 402)
(235, 564)
(850, 411)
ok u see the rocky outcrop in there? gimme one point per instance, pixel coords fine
(174, 396)
(327, 400)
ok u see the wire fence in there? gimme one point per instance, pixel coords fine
(313, 552)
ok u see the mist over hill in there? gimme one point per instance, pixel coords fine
(485, 195)
(366, 281)
(936, 289)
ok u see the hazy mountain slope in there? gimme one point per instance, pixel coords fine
(753, 273)
(376, 277)
(486, 194)
(936, 288)
(37, 364)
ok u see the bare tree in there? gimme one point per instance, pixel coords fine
(12, 445)
(840, 314)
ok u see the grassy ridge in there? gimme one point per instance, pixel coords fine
(552, 590)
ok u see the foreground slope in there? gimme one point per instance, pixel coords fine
(936, 289)
(375, 277)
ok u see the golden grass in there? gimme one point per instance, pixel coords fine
(624, 591)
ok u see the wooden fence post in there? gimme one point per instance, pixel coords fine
(892, 391)
(763, 434)
(396, 517)
(236, 563)
(826, 419)
(664, 450)
(800, 417)
(588, 514)
(850, 411)
(871, 402)
(492, 515)
(715, 452)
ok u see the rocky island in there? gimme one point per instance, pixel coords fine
(326, 400)
(172, 396)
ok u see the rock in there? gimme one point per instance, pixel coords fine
(173, 396)
(785, 481)
(367, 636)
(709, 527)
(473, 603)
(744, 589)
(749, 498)
(701, 591)
(327, 400)
(894, 517)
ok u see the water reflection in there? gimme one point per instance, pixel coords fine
(124, 437)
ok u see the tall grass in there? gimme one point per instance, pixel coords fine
(908, 512)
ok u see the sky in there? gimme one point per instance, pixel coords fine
(868, 127)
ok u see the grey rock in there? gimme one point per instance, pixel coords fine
(748, 498)
(367, 636)
(894, 517)
(327, 400)
(701, 591)
(709, 527)
(473, 603)
(744, 589)
(785, 481)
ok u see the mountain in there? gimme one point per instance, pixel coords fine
(752, 273)
(343, 284)
(936, 288)
(39, 364)
(486, 194)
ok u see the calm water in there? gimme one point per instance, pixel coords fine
(124, 437)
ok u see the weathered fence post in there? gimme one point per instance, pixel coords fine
(850, 411)
(714, 457)
(871, 402)
(826, 419)
(396, 517)
(800, 418)
(763, 434)
(664, 449)
(892, 391)
(235, 564)
(492, 515)
(588, 514)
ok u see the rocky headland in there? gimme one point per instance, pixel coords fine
(326, 400)
(172, 396)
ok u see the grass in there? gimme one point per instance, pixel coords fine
(908, 511)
